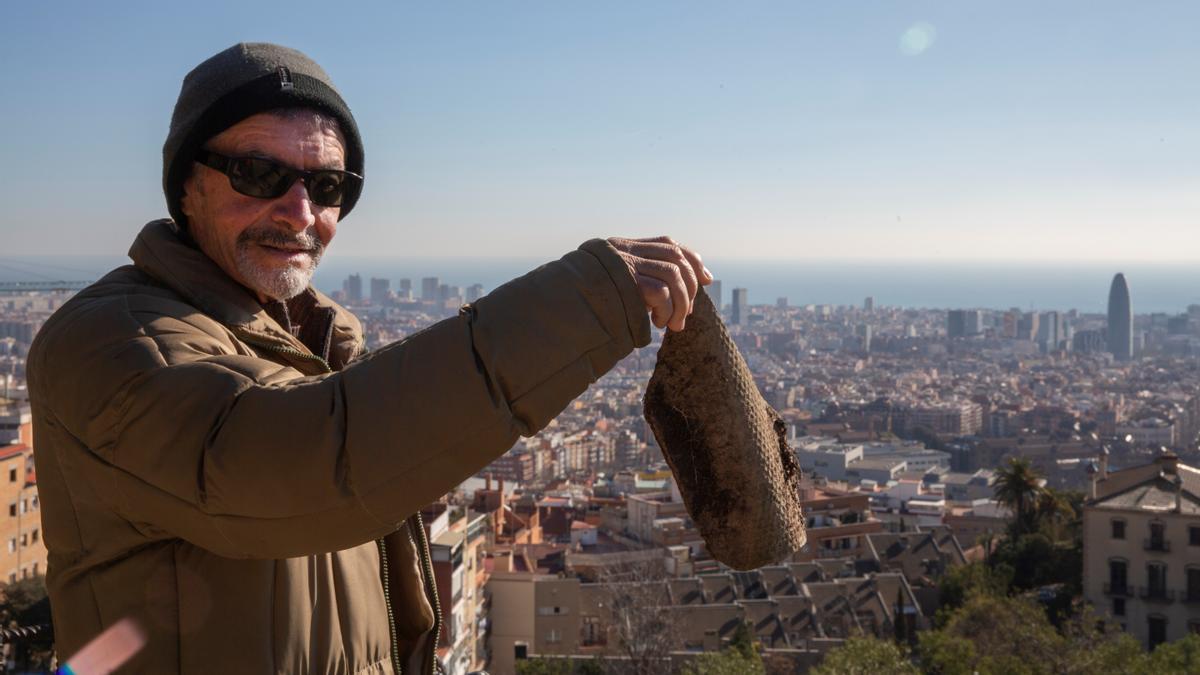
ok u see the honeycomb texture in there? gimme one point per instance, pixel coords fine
(726, 446)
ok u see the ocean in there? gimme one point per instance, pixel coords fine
(993, 285)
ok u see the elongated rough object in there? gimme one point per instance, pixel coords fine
(727, 448)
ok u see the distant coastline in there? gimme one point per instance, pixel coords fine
(1041, 285)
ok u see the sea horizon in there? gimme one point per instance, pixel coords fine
(1037, 285)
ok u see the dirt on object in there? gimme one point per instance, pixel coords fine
(726, 446)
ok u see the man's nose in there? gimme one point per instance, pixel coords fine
(294, 209)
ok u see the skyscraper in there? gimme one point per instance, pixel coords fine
(869, 304)
(1120, 319)
(353, 288)
(741, 308)
(429, 288)
(379, 290)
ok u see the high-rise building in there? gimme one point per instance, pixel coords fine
(781, 303)
(963, 322)
(429, 288)
(474, 292)
(405, 286)
(863, 331)
(379, 290)
(1051, 331)
(741, 308)
(1027, 327)
(353, 288)
(1120, 319)
(714, 294)
(869, 304)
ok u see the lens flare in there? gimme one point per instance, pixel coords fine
(917, 39)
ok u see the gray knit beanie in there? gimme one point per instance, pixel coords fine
(246, 79)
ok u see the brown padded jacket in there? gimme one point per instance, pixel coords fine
(202, 471)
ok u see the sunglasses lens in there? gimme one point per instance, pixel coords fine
(263, 178)
(260, 177)
(326, 188)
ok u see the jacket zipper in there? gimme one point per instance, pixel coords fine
(431, 590)
(383, 554)
(387, 600)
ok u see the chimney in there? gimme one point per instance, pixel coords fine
(1104, 463)
(488, 484)
(1168, 461)
(1093, 477)
(1178, 493)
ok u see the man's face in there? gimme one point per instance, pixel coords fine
(271, 246)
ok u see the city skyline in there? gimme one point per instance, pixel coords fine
(772, 130)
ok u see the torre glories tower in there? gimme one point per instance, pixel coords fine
(1120, 319)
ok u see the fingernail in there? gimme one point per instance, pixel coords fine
(707, 273)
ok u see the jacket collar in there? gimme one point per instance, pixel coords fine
(168, 254)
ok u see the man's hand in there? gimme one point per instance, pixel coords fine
(668, 275)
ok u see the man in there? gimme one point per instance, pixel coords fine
(216, 457)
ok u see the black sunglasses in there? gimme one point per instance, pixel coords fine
(266, 179)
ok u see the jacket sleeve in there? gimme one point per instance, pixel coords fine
(193, 442)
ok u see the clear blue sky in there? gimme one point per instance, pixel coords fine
(899, 130)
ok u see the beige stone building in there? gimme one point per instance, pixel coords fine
(1141, 548)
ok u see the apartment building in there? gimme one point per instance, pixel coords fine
(1141, 547)
(22, 551)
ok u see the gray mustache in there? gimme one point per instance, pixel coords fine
(281, 240)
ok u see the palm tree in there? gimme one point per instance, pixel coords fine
(1019, 487)
(1054, 512)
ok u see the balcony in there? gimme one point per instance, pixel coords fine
(1157, 545)
(1117, 590)
(1191, 596)
(1156, 594)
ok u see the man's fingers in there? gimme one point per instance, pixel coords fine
(657, 298)
(674, 255)
(669, 274)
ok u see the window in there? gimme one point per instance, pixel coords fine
(1118, 606)
(1157, 628)
(554, 636)
(1118, 529)
(1156, 579)
(1194, 536)
(35, 569)
(12, 475)
(12, 545)
(35, 535)
(24, 506)
(1194, 627)
(1157, 541)
(1117, 577)
(24, 538)
(12, 509)
(1193, 584)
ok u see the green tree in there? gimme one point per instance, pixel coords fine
(1181, 656)
(964, 582)
(543, 666)
(1018, 487)
(866, 656)
(992, 634)
(724, 662)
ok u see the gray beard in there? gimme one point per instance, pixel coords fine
(282, 284)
